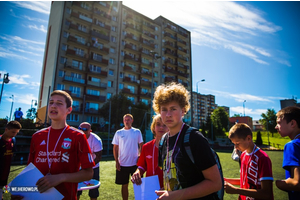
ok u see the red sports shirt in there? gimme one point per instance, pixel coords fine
(72, 151)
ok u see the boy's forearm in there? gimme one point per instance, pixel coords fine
(288, 185)
(265, 192)
(82, 175)
(202, 189)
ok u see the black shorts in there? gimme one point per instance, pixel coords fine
(122, 176)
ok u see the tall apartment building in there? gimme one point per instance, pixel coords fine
(95, 50)
(202, 106)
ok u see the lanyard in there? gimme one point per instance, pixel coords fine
(247, 166)
(50, 162)
(169, 160)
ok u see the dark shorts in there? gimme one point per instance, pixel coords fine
(122, 176)
(93, 193)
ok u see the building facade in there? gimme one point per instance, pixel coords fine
(95, 50)
(202, 106)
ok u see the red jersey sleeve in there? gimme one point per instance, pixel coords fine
(142, 160)
(84, 152)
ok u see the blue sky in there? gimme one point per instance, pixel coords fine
(244, 50)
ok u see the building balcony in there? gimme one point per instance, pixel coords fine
(129, 80)
(102, 14)
(74, 39)
(183, 58)
(181, 41)
(101, 73)
(170, 70)
(76, 27)
(73, 79)
(183, 34)
(99, 59)
(147, 94)
(95, 98)
(100, 48)
(127, 91)
(100, 36)
(128, 57)
(102, 25)
(179, 64)
(146, 83)
(170, 61)
(170, 44)
(133, 27)
(169, 52)
(78, 3)
(129, 46)
(82, 17)
(91, 111)
(73, 66)
(186, 75)
(170, 79)
(131, 37)
(148, 43)
(170, 36)
(148, 34)
(128, 68)
(145, 72)
(148, 25)
(80, 54)
(98, 84)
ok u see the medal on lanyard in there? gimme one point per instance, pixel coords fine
(53, 152)
(169, 159)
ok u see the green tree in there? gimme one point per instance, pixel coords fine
(220, 120)
(121, 105)
(258, 139)
(269, 120)
(236, 115)
(31, 113)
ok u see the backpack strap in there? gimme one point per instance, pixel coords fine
(188, 151)
(160, 147)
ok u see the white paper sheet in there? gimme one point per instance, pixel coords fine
(27, 179)
(146, 191)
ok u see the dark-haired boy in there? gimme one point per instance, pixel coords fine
(60, 150)
(7, 148)
(256, 179)
(183, 179)
(288, 124)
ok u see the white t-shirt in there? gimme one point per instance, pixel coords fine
(128, 141)
(95, 143)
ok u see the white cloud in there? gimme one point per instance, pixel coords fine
(248, 111)
(34, 19)
(38, 6)
(40, 28)
(14, 39)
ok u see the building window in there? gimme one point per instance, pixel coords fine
(61, 73)
(75, 106)
(145, 101)
(65, 34)
(60, 86)
(92, 119)
(111, 61)
(63, 60)
(73, 117)
(110, 83)
(75, 90)
(94, 68)
(64, 47)
(108, 95)
(131, 88)
(113, 39)
(122, 53)
(123, 43)
(112, 50)
(122, 63)
(131, 99)
(69, 10)
(111, 72)
(93, 92)
(114, 18)
(113, 28)
(121, 75)
(121, 86)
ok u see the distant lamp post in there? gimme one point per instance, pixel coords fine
(198, 121)
(12, 105)
(154, 57)
(5, 80)
(244, 107)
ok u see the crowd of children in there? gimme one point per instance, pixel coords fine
(188, 168)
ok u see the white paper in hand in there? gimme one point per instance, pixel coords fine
(24, 185)
(146, 191)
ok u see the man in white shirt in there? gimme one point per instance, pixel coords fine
(127, 143)
(96, 149)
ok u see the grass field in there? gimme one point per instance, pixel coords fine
(109, 190)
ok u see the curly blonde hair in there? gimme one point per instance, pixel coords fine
(167, 93)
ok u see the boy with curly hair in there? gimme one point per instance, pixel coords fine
(288, 124)
(183, 178)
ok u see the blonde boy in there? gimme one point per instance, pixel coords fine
(183, 179)
(256, 168)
